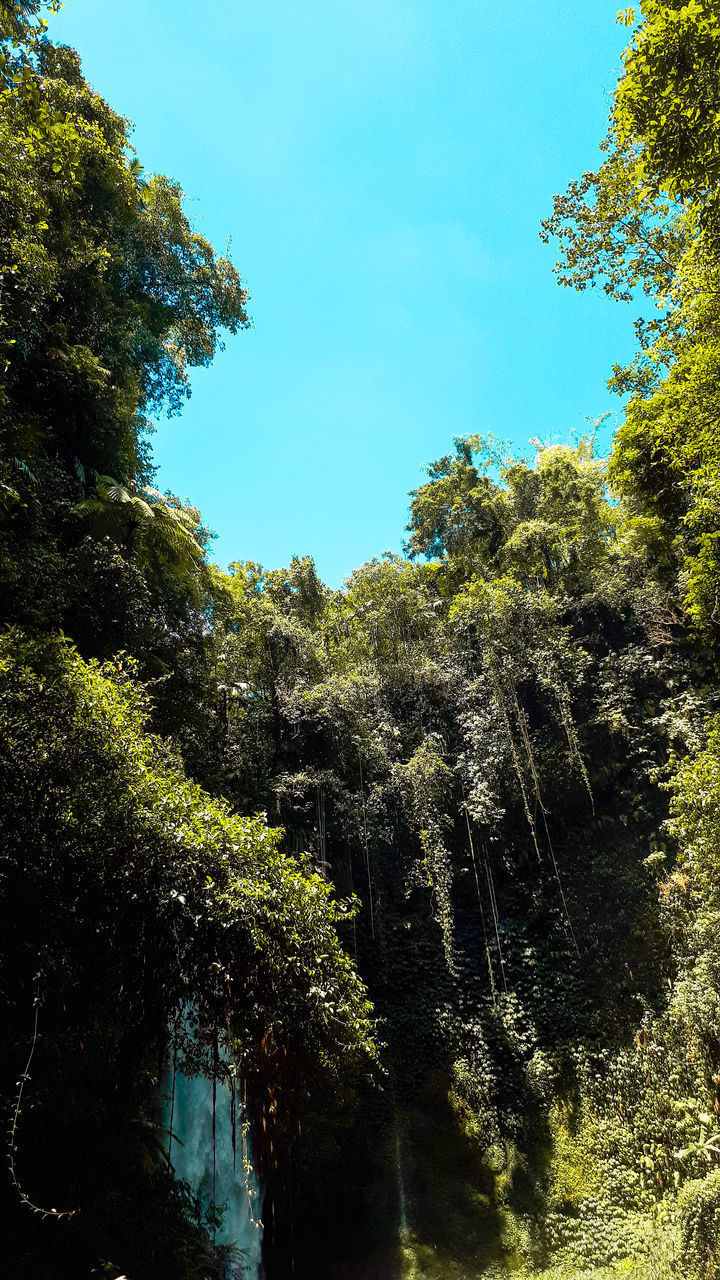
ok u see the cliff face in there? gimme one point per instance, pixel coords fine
(476, 747)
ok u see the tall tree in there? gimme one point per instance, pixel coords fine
(649, 220)
(108, 298)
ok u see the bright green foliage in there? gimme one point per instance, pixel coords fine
(696, 816)
(667, 459)
(611, 231)
(108, 293)
(161, 534)
(19, 21)
(245, 919)
(459, 513)
(699, 1214)
(108, 297)
(547, 526)
(648, 219)
(668, 100)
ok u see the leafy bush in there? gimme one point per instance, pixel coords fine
(699, 1219)
(127, 894)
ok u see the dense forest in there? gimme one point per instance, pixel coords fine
(426, 869)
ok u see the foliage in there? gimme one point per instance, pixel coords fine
(127, 893)
(491, 764)
(470, 745)
(667, 100)
(108, 297)
(699, 1214)
(649, 219)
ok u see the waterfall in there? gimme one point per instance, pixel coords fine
(400, 1181)
(209, 1149)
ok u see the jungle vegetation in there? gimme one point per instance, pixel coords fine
(435, 857)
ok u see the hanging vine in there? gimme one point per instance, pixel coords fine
(57, 1214)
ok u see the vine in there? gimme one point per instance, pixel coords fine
(57, 1214)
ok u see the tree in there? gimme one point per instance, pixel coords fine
(108, 298)
(128, 896)
(649, 219)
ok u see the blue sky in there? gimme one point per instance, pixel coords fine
(381, 167)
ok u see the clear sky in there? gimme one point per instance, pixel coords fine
(381, 167)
